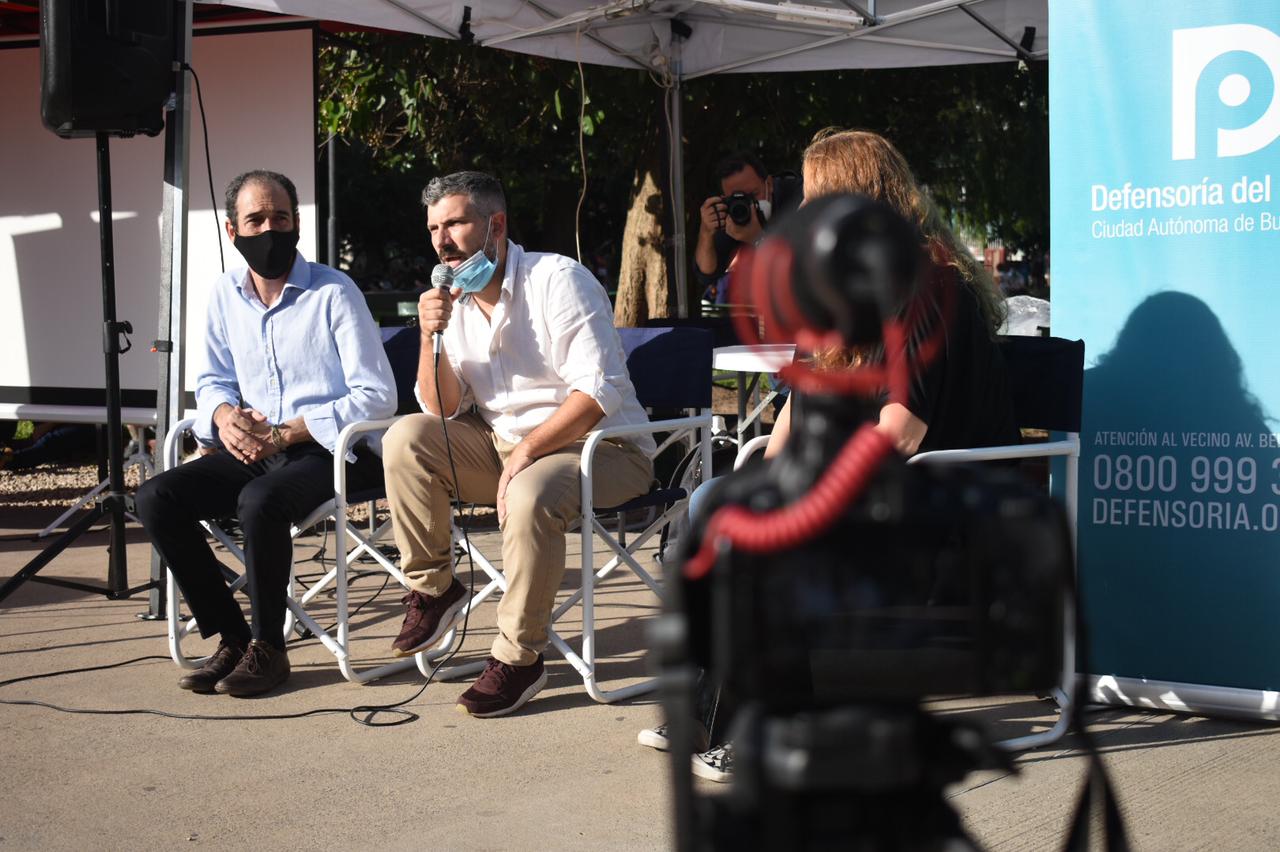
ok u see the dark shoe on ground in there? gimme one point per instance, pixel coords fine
(222, 663)
(502, 689)
(715, 764)
(262, 668)
(428, 618)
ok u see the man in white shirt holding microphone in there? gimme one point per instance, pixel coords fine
(529, 362)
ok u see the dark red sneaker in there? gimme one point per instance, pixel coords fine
(428, 618)
(502, 689)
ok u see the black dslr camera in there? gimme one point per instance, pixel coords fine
(920, 582)
(740, 207)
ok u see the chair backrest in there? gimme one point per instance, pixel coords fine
(721, 328)
(1046, 381)
(402, 345)
(669, 366)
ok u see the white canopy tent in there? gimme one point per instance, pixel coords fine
(673, 40)
(724, 35)
(678, 40)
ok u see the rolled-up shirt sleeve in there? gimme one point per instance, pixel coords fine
(465, 399)
(371, 390)
(588, 353)
(216, 382)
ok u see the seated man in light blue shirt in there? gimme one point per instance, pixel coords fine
(291, 356)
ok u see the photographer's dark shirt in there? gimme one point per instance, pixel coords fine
(726, 247)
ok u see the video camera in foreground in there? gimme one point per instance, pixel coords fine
(833, 589)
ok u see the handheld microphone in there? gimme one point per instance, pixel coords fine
(441, 278)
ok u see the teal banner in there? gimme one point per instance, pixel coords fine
(1165, 184)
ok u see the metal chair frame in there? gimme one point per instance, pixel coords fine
(337, 640)
(590, 525)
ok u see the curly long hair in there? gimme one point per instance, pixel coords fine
(866, 163)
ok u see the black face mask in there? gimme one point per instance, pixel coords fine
(270, 254)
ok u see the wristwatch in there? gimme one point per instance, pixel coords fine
(277, 437)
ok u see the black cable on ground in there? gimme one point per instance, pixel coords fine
(403, 716)
(369, 712)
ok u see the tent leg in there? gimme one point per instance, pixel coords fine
(677, 168)
(173, 273)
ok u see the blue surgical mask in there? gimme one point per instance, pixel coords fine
(473, 274)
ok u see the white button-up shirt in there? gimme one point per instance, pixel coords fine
(551, 333)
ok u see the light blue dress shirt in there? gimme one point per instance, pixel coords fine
(316, 353)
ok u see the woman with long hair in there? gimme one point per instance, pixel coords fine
(959, 398)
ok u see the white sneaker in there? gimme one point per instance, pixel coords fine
(660, 737)
(715, 764)
(655, 737)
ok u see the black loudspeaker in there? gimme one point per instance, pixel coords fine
(106, 66)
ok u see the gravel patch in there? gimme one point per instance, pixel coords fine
(53, 485)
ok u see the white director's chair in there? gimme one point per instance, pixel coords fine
(671, 371)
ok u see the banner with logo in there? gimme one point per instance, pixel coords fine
(1165, 186)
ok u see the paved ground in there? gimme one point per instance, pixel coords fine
(564, 774)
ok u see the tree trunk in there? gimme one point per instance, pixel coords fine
(642, 274)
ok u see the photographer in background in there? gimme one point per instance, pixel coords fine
(735, 217)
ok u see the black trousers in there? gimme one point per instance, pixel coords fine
(268, 497)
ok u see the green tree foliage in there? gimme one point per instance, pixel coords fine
(977, 135)
(408, 108)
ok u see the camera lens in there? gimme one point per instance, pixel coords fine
(739, 206)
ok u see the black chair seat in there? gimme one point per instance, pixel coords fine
(366, 495)
(656, 497)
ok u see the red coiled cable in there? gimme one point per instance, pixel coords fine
(762, 279)
(769, 532)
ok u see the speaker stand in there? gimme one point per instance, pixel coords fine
(112, 505)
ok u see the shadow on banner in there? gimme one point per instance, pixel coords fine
(1179, 503)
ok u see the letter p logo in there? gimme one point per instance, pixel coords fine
(1193, 50)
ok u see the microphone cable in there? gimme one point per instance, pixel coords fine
(208, 163)
(371, 711)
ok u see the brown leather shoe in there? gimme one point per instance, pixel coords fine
(428, 618)
(262, 668)
(502, 689)
(222, 663)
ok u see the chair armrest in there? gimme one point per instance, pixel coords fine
(593, 439)
(1067, 447)
(173, 441)
(749, 449)
(346, 439)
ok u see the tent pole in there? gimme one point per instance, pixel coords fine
(677, 167)
(331, 226)
(170, 349)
